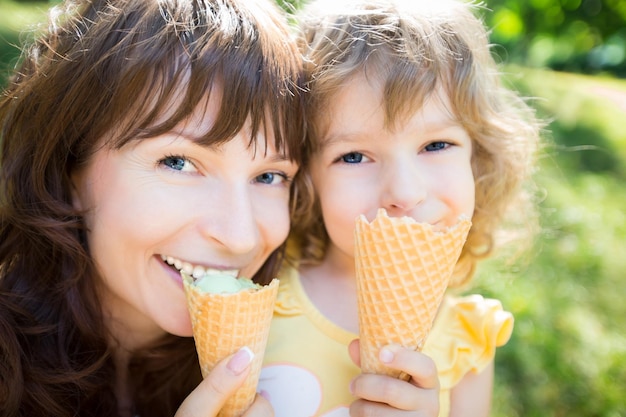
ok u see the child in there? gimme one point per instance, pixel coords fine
(139, 138)
(406, 113)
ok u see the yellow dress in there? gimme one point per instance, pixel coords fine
(307, 369)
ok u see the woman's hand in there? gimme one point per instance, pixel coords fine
(228, 375)
(381, 395)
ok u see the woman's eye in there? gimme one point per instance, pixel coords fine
(436, 146)
(178, 163)
(352, 158)
(271, 178)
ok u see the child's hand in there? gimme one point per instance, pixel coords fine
(228, 375)
(381, 395)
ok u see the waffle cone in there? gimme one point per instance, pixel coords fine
(224, 323)
(403, 269)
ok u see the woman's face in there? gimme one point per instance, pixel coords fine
(160, 205)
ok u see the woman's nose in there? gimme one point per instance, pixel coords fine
(403, 186)
(230, 220)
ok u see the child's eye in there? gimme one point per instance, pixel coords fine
(272, 178)
(178, 163)
(352, 158)
(436, 146)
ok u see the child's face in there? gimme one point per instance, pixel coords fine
(421, 169)
(223, 208)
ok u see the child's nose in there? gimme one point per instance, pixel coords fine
(403, 187)
(230, 220)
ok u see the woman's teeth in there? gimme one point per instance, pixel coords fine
(196, 271)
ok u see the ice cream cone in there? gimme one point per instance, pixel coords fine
(403, 268)
(224, 323)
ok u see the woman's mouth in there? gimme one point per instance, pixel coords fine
(196, 271)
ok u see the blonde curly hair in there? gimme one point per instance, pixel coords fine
(416, 47)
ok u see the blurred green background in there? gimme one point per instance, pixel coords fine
(567, 356)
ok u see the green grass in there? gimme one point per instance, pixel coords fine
(567, 355)
(17, 24)
(16, 16)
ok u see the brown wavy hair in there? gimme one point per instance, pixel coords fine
(101, 66)
(414, 48)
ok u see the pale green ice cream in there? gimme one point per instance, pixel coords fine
(224, 284)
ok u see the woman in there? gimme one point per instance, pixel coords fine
(139, 138)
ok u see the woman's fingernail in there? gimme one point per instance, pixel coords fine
(386, 355)
(241, 360)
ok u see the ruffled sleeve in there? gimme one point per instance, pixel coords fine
(465, 336)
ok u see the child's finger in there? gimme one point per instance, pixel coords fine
(420, 367)
(394, 392)
(363, 408)
(209, 397)
(421, 392)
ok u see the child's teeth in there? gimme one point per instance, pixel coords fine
(178, 264)
(170, 260)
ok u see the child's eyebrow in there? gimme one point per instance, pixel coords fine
(440, 126)
(341, 137)
(445, 128)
